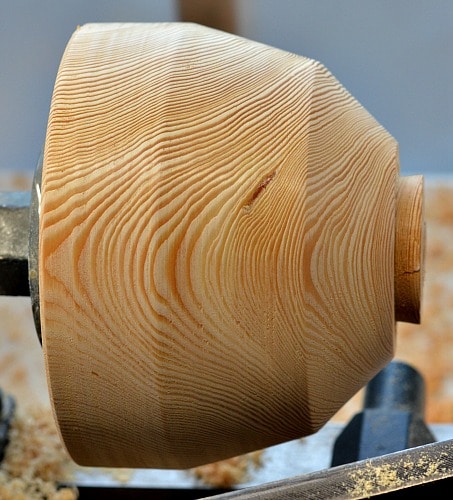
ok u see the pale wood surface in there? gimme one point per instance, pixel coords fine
(217, 241)
(409, 249)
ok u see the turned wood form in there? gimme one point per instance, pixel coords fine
(225, 246)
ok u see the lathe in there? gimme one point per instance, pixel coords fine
(218, 245)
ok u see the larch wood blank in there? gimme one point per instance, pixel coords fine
(217, 245)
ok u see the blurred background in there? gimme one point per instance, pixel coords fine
(394, 56)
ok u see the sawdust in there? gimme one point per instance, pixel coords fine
(227, 473)
(374, 478)
(35, 460)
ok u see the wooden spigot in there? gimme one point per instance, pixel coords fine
(409, 249)
(224, 239)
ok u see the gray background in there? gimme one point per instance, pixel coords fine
(394, 56)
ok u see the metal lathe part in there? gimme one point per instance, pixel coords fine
(14, 234)
(19, 231)
(33, 245)
(399, 386)
(392, 418)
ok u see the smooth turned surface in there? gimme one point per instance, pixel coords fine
(409, 249)
(217, 242)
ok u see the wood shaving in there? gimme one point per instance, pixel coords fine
(227, 473)
(35, 460)
(373, 478)
(386, 477)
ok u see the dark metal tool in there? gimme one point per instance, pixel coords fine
(19, 227)
(14, 233)
(392, 418)
(426, 469)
